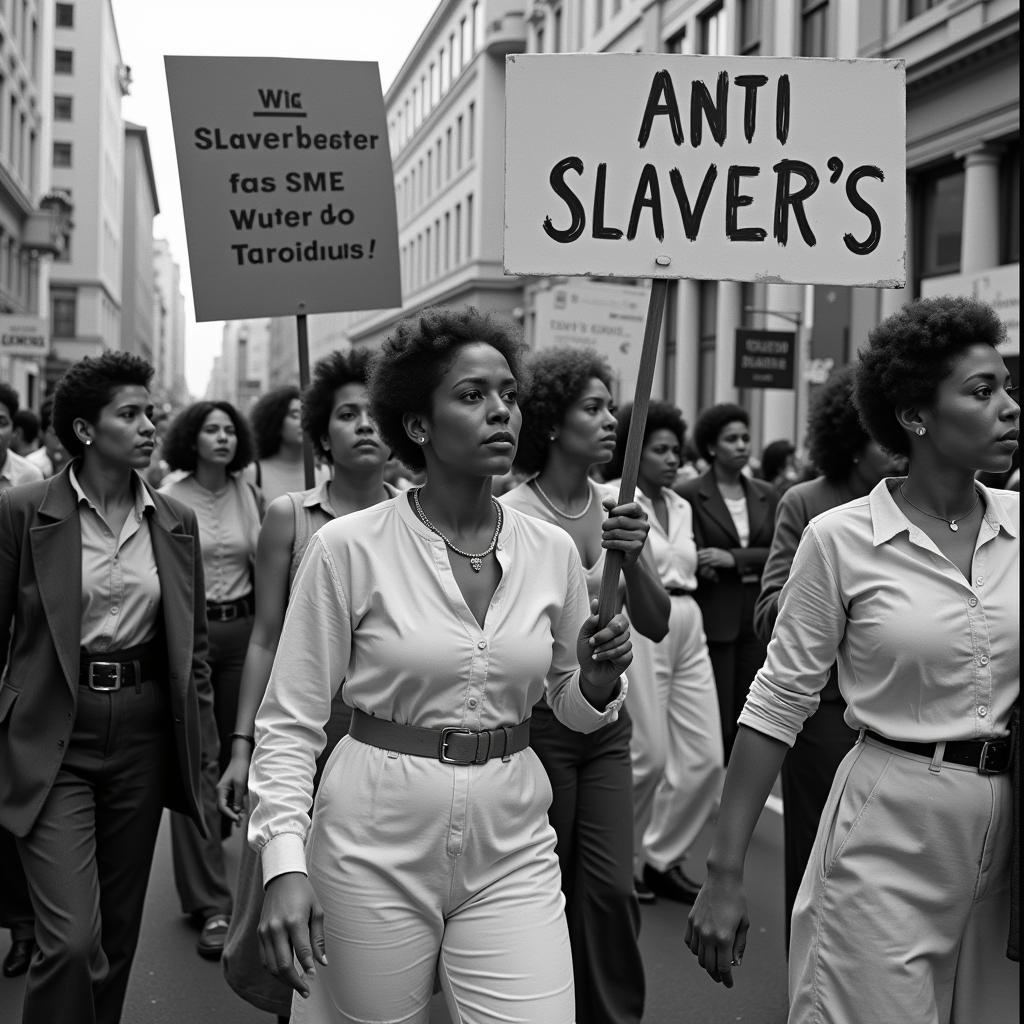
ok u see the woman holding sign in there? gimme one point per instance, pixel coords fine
(569, 426)
(903, 912)
(447, 616)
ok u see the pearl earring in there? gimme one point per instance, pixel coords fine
(87, 442)
(920, 431)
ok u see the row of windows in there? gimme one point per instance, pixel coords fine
(19, 138)
(451, 150)
(14, 270)
(24, 27)
(438, 248)
(441, 72)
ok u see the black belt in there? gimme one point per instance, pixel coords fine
(228, 611)
(450, 745)
(677, 591)
(989, 757)
(116, 670)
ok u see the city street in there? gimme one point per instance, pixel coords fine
(171, 984)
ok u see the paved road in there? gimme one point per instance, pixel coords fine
(172, 985)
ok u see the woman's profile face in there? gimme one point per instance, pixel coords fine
(587, 432)
(123, 434)
(974, 417)
(291, 426)
(352, 440)
(731, 449)
(217, 440)
(475, 418)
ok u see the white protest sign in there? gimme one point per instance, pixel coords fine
(286, 185)
(24, 335)
(737, 168)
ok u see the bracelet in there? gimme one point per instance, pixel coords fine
(244, 736)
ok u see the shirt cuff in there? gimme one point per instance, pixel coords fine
(284, 853)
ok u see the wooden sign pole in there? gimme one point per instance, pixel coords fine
(307, 448)
(607, 601)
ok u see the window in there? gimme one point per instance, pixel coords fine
(814, 28)
(598, 15)
(435, 85)
(676, 43)
(466, 31)
(713, 34)
(915, 7)
(447, 241)
(458, 233)
(63, 62)
(62, 107)
(556, 30)
(471, 130)
(447, 154)
(446, 70)
(65, 16)
(458, 143)
(540, 39)
(469, 227)
(478, 25)
(939, 200)
(453, 49)
(750, 27)
(63, 312)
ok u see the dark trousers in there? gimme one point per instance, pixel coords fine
(592, 815)
(200, 874)
(735, 663)
(15, 902)
(807, 775)
(87, 858)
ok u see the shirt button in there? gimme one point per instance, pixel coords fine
(983, 659)
(973, 602)
(114, 610)
(482, 645)
(982, 711)
(980, 581)
(471, 702)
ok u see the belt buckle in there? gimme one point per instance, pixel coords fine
(983, 768)
(442, 754)
(113, 668)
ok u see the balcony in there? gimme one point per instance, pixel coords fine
(505, 29)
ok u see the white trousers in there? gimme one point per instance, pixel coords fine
(903, 912)
(424, 867)
(676, 749)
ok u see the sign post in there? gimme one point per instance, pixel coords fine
(281, 163)
(664, 166)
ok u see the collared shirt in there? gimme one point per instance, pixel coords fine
(924, 654)
(17, 470)
(120, 584)
(40, 458)
(376, 604)
(229, 527)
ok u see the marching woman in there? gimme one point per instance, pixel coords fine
(914, 590)
(208, 443)
(105, 702)
(733, 519)
(568, 428)
(336, 419)
(677, 736)
(446, 616)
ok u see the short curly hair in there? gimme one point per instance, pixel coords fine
(712, 421)
(179, 445)
(412, 361)
(330, 373)
(660, 416)
(557, 376)
(835, 434)
(267, 416)
(88, 385)
(910, 353)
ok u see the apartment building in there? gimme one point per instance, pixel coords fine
(241, 372)
(137, 267)
(168, 327)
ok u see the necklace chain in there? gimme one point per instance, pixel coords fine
(475, 561)
(559, 512)
(951, 523)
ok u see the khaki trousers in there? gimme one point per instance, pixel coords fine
(903, 912)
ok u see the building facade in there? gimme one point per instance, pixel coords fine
(137, 263)
(168, 327)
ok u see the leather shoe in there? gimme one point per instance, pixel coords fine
(211, 938)
(642, 893)
(19, 956)
(672, 884)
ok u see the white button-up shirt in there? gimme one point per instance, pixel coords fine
(375, 603)
(924, 654)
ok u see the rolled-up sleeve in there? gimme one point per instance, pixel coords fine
(810, 626)
(311, 662)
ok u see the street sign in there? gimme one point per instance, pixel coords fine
(24, 336)
(286, 185)
(774, 169)
(765, 359)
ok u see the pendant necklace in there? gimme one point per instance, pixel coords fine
(558, 512)
(951, 523)
(476, 562)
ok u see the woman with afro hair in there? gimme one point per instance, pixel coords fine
(903, 913)
(446, 615)
(850, 464)
(569, 429)
(337, 423)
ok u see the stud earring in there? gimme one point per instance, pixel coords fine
(921, 431)
(87, 442)
(421, 440)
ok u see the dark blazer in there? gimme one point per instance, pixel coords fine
(721, 601)
(40, 621)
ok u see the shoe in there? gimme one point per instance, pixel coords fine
(642, 893)
(211, 938)
(672, 884)
(19, 956)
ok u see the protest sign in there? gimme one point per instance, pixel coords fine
(286, 185)
(725, 168)
(764, 359)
